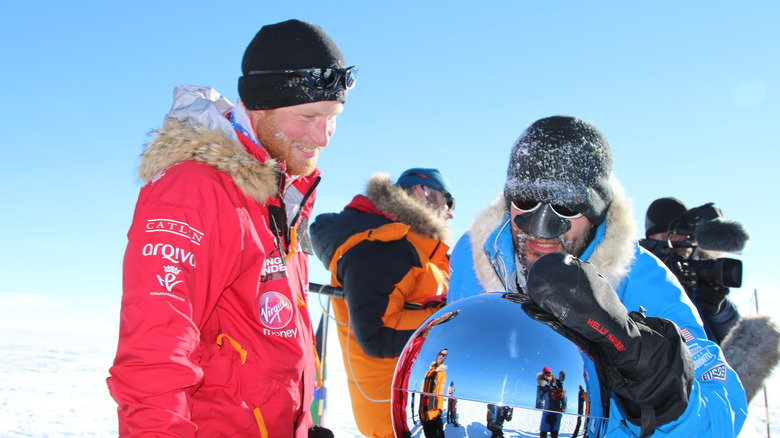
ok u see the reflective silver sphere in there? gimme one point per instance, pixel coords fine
(477, 366)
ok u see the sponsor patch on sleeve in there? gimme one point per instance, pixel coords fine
(718, 372)
(701, 356)
(175, 227)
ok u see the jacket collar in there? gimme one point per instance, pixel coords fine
(396, 204)
(175, 142)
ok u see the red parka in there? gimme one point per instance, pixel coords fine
(215, 336)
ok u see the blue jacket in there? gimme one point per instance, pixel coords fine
(717, 406)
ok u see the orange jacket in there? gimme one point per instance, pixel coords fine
(382, 264)
(433, 383)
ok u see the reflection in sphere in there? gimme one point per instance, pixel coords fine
(480, 365)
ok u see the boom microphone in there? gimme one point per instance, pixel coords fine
(721, 235)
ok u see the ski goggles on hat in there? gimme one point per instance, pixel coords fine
(319, 78)
(526, 207)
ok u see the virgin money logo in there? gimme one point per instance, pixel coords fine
(275, 310)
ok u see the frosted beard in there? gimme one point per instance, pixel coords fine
(574, 247)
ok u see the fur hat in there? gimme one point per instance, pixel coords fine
(661, 213)
(291, 44)
(563, 161)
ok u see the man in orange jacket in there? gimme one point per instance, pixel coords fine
(431, 406)
(388, 251)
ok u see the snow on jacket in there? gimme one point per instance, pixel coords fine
(215, 336)
(483, 261)
(385, 249)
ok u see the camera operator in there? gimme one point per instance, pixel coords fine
(689, 242)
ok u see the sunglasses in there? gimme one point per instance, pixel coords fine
(449, 201)
(319, 78)
(526, 207)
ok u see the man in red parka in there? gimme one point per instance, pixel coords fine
(215, 337)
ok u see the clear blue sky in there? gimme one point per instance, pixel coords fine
(687, 92)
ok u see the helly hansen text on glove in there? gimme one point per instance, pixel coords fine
(643, 360)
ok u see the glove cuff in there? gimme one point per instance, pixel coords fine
(656, 389)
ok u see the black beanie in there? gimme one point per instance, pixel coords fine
(661, 213)
(291, 44)
(563, 161)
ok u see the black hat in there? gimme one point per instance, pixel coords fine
(563, 161)
(661, 213)
(291, 44)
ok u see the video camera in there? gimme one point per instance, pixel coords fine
(703, 230)
(724, 272)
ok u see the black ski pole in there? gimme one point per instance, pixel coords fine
(327, 290)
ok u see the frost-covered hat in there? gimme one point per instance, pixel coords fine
(563, 161)
(288, 45)
(661, 213)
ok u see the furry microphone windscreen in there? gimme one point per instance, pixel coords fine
(721, 235)
(752, 348)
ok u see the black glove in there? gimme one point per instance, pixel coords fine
(711, 298)
(642, 360)
(320, 432)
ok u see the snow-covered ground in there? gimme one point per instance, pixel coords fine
(53, 385)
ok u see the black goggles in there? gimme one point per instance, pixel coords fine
(319, 78)
(526, 207)
(449, 201)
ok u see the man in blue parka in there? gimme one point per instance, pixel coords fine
(650, 367)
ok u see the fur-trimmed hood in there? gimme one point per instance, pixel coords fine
(753, 346)
(383, 203)
(611, 252)
(174, 143)
(396, 202)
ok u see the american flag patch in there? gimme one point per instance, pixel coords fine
(718, 372)
(687, 335)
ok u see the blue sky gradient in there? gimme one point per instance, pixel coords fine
(686, 92)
